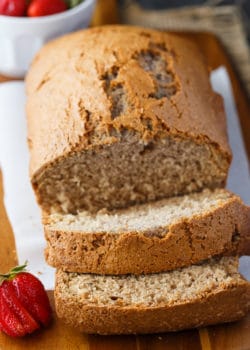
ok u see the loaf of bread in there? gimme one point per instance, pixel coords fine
(122, 115)
(120, 121)
(149, 238)
(195, 296)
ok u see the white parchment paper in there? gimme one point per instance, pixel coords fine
(20, 204)
(19, 199)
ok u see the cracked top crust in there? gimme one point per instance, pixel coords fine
(88, 88)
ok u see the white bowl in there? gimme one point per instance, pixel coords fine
(22, 37)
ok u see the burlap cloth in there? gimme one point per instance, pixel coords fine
(224, 21)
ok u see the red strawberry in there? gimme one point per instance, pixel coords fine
(12, 7)
(24, 304)
(46, 7)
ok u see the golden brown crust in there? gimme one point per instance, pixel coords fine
(71, 77)
(224, 231)
(221, 305)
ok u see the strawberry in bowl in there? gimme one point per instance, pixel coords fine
(24, 304)
(35, 8)
(13, 7)
(46, 7)
(24, 31)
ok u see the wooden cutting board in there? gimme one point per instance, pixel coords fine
(234, 336)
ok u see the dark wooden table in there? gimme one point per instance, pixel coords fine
(235, 336)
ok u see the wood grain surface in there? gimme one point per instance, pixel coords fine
(234, 336)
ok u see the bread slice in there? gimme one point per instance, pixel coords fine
(195, 296)
(149, 238)
(119, 116)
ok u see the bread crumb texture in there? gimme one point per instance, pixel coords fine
(142, 218)
(169, 288)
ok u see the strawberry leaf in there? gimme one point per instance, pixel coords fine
(73, 3)
(13, 272)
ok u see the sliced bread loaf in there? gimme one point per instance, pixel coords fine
(122, 115)
(195, 296)
(149, 238)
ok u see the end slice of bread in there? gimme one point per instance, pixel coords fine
(199, 295)
(149, 238)
(137, 120)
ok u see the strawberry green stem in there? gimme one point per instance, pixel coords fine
(13, 272)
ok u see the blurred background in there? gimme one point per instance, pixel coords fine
(244, 6)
